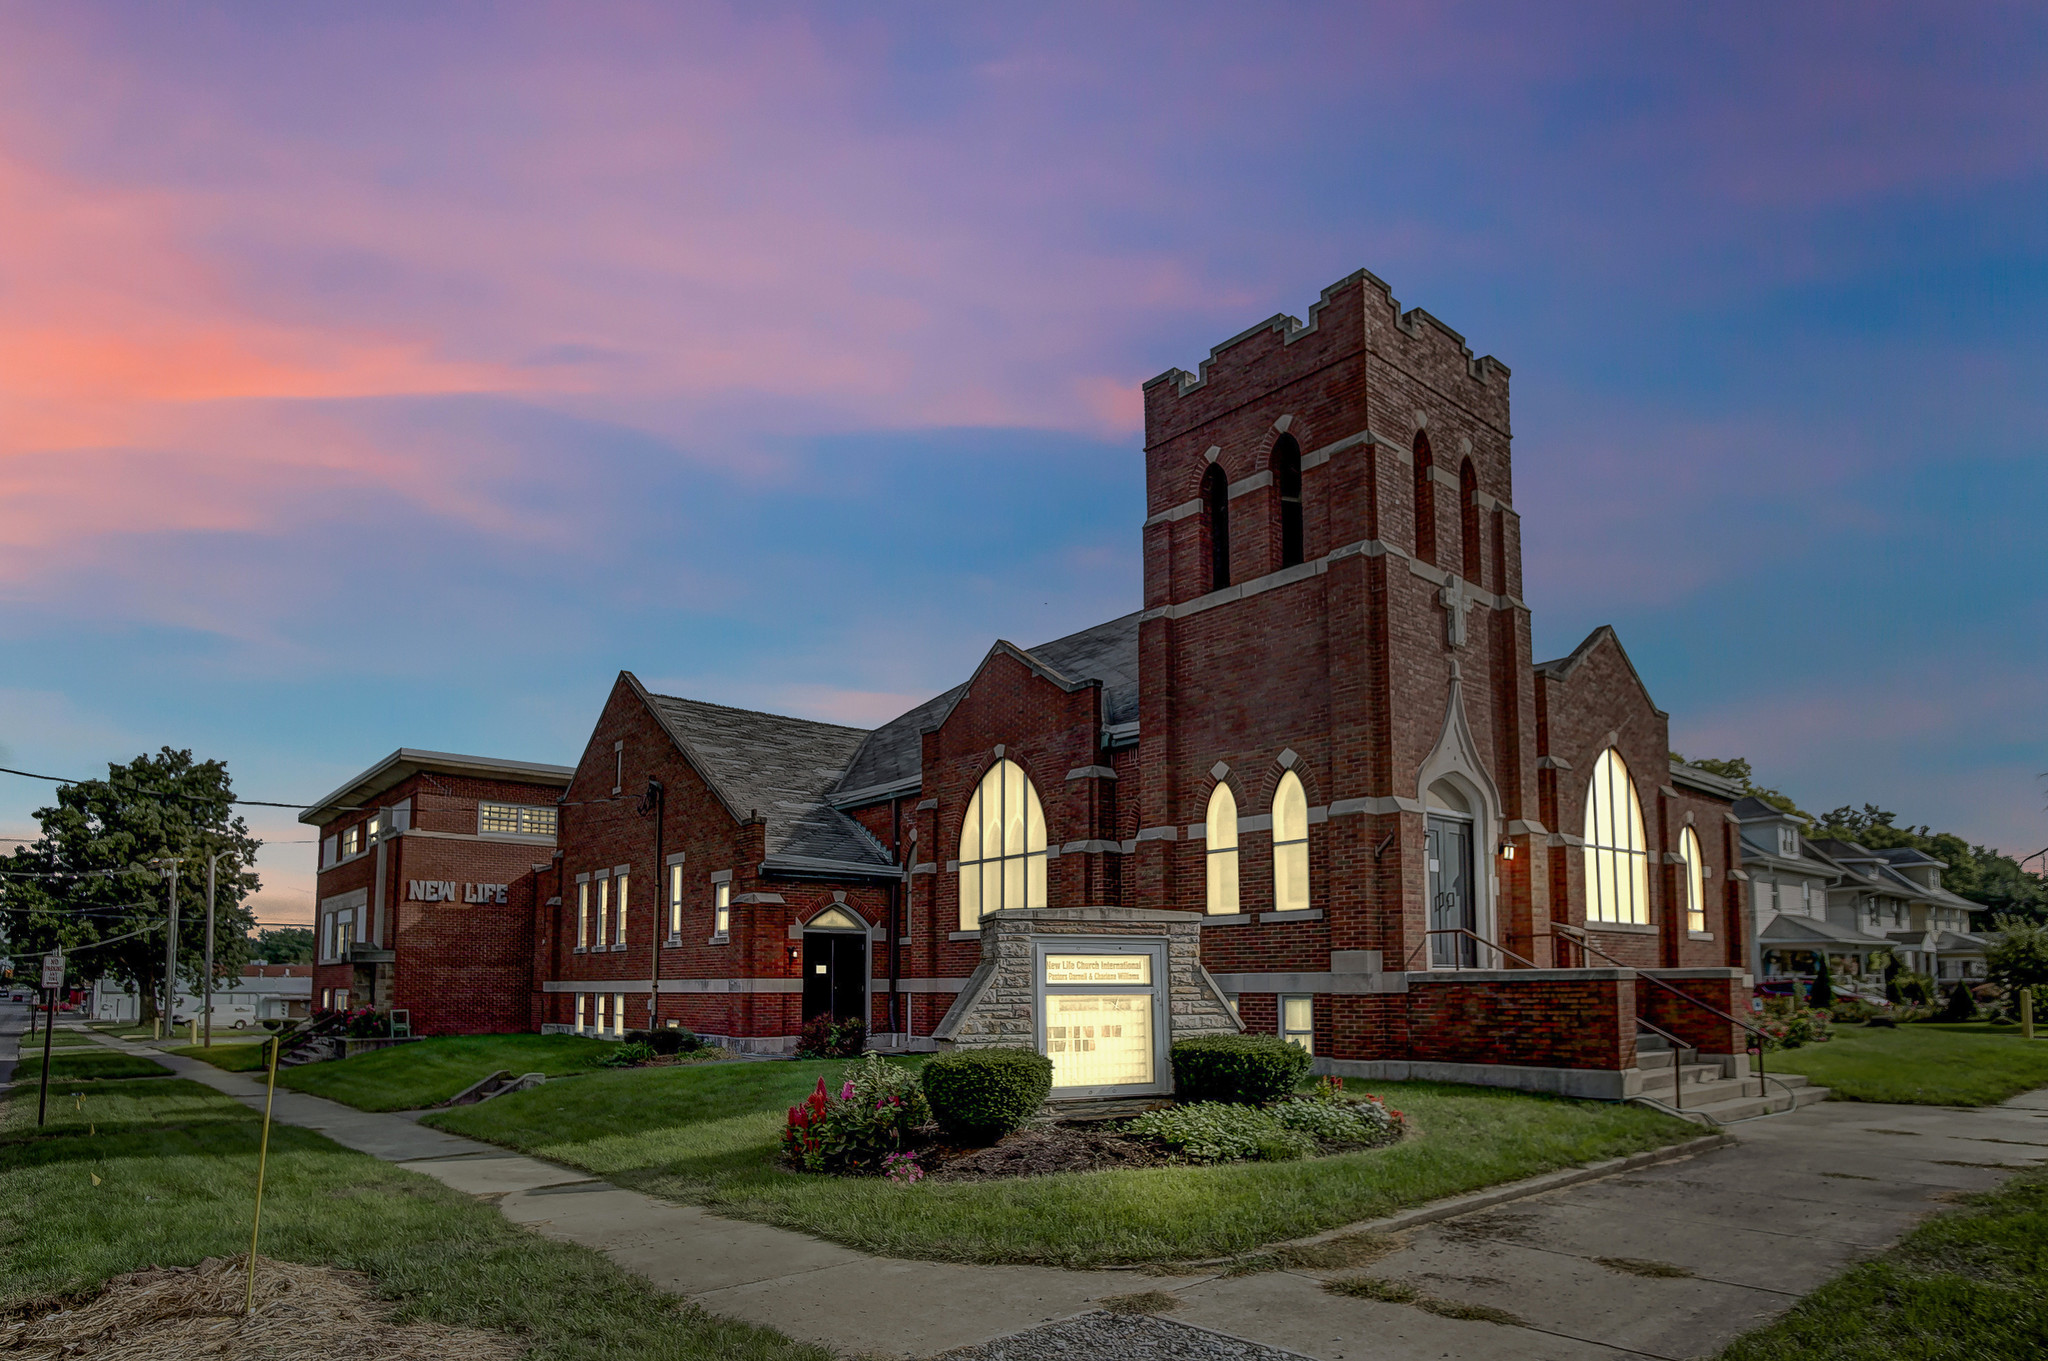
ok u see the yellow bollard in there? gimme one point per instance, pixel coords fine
(262, 1162)
(194, 1023)
(2026, 1013)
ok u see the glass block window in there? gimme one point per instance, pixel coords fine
(515, 819)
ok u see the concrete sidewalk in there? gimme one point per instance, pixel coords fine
(1797, 1200)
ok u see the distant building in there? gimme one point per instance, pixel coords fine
(263, 992)
(430, 867)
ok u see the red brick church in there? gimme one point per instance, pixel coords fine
(1316, 785)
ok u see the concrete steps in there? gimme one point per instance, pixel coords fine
(1699, 1091)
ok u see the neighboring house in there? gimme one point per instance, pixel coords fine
(429, 889)
(1790, 881)
(1897, 893)
(263, 992)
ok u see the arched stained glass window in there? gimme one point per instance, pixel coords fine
(1287, 481)
(1222, 851)
(1290, 845)
(1694, 873)
(1002, 846)
(1617, 856)
(1216, 519)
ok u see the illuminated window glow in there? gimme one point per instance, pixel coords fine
(1222, 843)
(1617, 855)
(514, 819)
(721, 910)
(675, 900)
(1290, 845)
(1694, 873)
(1298, 1021)
(1002, 846)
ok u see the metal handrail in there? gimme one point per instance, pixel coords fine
(1473, 935)
(1756, 1036)
(1679, 1049)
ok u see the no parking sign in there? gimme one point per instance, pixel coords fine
(53, 971)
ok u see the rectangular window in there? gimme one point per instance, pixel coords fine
(675, 900)
(721, 910)
(604, 912)
(583, 915)
(625, 882)
(1298, 1021)
(330, 851)
(352, 841)
(581, 1025)
(514, 819)
(619, 1014)
(376, 828)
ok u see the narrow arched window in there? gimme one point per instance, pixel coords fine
(1290, 845)
(1287, 481)
(1425, 500)
(1617, 855)
(1002, 846)
(1694, 873)
(1468, 520)
(1222, 851)
(1216, 519)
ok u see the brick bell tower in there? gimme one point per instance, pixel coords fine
(1333, 592)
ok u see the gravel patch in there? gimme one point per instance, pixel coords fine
(1113, 1337)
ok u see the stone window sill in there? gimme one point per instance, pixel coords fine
(620, 946)
(672, 942)
(1301, 914)
(1699, 935)
(964, 935)
(1623, 928)
(582, 950)
(1228, 919)
(719, 940)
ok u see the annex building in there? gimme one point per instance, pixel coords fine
(1314, 783)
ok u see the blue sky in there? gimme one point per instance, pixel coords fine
(371, 377)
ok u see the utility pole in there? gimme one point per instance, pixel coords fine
(170, 864)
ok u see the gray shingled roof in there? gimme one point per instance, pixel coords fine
(1107, 652)
(783, 767)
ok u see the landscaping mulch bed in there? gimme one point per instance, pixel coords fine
(1045, 1150)
(301, 1311)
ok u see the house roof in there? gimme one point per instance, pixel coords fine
(1750, 808)
(1706, 781)
(407, 762)
(1954, 942)
(891, 754)
(781, 768)
(1785, 929)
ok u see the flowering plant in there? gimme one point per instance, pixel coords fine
(873, 1114)
(902, 1168)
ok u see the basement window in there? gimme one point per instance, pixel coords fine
(1298, 1021)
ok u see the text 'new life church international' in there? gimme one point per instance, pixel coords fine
(1315, 785)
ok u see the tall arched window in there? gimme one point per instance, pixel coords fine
(1694, 873)
(1617, 856)
(1425, 500)
(1216, 519)
(1290, 845)
(1222, 851)
(1287, 481)
(1002, 846)
(1468, 520)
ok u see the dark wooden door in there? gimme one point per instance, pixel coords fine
(1452, 904)
(835, 974)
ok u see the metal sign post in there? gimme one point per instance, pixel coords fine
(53, 979)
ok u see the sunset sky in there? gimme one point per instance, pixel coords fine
(379, 375)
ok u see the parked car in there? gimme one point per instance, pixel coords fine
(226, 1014)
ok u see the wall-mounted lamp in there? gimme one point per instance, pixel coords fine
(1507, 850)
(792, 954)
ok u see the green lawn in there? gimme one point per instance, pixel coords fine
(708, 1136)
(1971, 1285)
(237, 1057)
(1972, 1064)
(69, 1064)
(409, 1076)
(124, 1032)
(176, 1164)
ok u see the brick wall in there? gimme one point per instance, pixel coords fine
(1721, 989)
(1583, 1019)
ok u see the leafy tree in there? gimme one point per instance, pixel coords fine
(1737, 768)
(2019, 958)
(1961, 1005)
(284, 945)
(89, 877)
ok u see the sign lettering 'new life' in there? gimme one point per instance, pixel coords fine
(443, 891)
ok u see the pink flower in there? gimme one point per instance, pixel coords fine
(846, 1092)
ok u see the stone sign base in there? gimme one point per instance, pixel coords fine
(1102, 991)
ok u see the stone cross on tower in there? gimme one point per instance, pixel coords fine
(1455, 600)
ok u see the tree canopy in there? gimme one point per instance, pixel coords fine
(1978, 873)
(1738, 769)
(94, 873)
(284, 945)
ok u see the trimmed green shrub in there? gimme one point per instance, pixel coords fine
(1961, 1005)
(1246, 1069)
(832, 1037)
(675, 1040)
(983, 1094)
